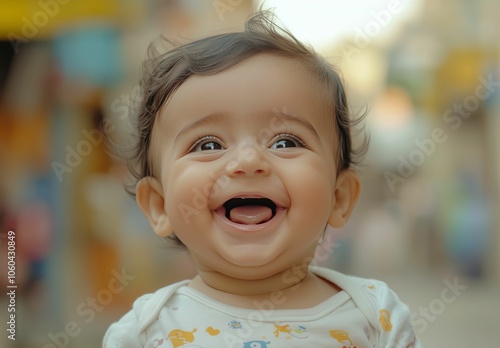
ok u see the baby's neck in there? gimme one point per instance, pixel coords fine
(292, 289)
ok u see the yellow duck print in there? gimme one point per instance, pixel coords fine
(180, 338)
(342, 336)
(385, 320)
(282, 329)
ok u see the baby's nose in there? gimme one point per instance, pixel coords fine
(249, 160)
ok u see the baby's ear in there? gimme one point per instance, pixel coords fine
(149, 197)
(346, 195)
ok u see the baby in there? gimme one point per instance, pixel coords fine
(245, 152)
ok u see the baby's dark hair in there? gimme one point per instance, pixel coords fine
(164, 73)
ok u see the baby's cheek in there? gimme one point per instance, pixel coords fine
(312, 192)
(191, 188)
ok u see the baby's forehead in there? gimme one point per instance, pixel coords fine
(262, 84)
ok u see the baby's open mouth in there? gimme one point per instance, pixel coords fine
(249, 211)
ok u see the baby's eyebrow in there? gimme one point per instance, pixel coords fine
(208, 119)
(284, 117)
(222, 118)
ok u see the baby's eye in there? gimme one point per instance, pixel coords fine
(206, 144)
(287, 141)
(209, 145)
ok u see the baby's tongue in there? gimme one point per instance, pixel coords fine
(250, 214)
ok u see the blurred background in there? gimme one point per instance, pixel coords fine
(428, 223)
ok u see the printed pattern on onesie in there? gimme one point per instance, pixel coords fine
(191, 321)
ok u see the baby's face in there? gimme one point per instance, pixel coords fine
(246, 164)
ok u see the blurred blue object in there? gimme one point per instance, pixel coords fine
(90, 54)
(469, 225)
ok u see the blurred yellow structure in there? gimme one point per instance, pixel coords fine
(26, 18)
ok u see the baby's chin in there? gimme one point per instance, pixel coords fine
(252, 257)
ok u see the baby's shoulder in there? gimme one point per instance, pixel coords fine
(148, 306)
(353, 285)
(381, 306)
(130, 330)
(373, 287)
(373, 297)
